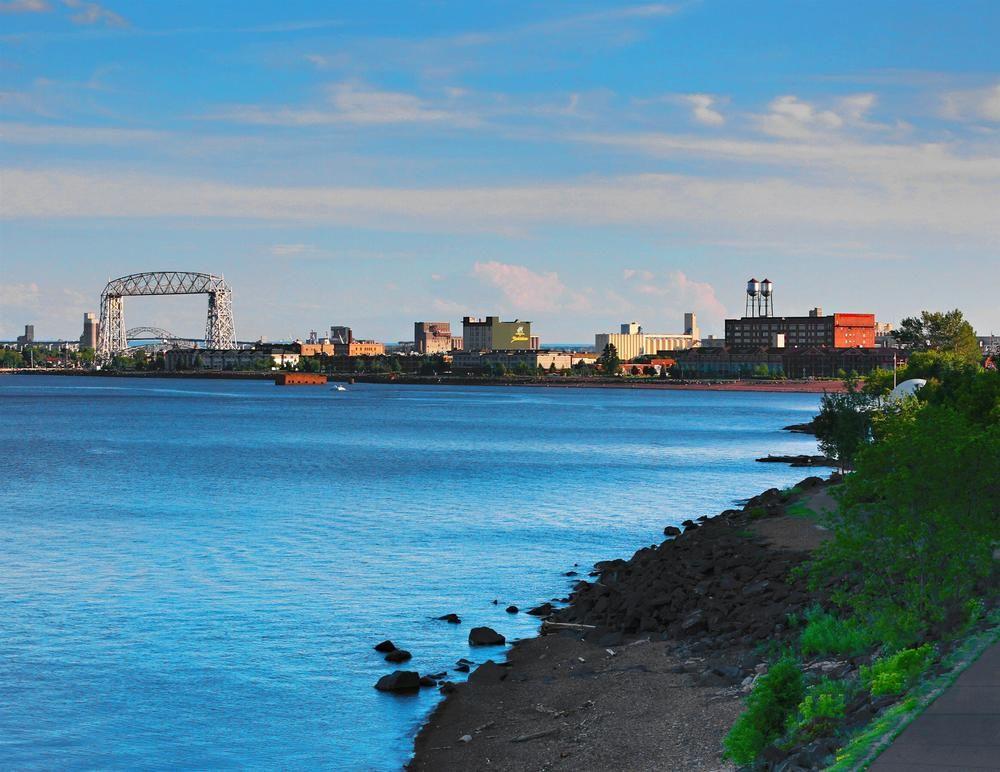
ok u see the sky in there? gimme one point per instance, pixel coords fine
(574, 164)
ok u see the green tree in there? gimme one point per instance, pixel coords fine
(844, 423)
(917, 522)
(609, 361)
(940, 331)
(11, 358)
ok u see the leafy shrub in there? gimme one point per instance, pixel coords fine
(917, 523)
(821, 709)
(774, 698)
(897, 673)
(827, 634)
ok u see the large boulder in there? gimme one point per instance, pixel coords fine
(485, 636)
(542, 611)
(398, 655)
(488, 672)
(399, 681)
(385, 647)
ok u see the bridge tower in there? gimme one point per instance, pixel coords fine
(220, 332)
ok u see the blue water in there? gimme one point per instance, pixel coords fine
(193, 573)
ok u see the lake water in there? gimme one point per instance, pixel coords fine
(193, 573)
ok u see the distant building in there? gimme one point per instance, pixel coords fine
(834, 331)
(802, 362)
(89, 337)
(29, 335)
(356, 348)
(359, 348)
(340, 334)
(432, 337)
(490, 334)
(228, 359)
(632, 342)
(457, 343)
(883, 335)
(513, 360)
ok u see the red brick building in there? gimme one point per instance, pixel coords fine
(833, 331)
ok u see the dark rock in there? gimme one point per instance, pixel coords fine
(447, 687)
(385, 646)
(464, 661)
(542, 611)
(693, 621)
(485, 636)
(688, 523)
(671, 530)
(709, 677)
(463, 668)
(452, 619)
(426, 681)
(512, 609)
(399, 681)
(488, 672)
(570, 573)
(398, 655)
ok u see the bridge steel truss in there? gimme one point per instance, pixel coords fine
(220, 332)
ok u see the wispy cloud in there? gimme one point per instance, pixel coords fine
(19, 295)
(349, 103)
(528, 290)
(703, 108)
(676, 291)
(25, 6)
(87, 12)
(982, 104)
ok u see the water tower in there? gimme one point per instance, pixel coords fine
(766, 295)
(753, 291)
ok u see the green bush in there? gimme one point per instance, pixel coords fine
(820, 710)
(827, 634)
(774, 698)
(917, 522)
(897, 673)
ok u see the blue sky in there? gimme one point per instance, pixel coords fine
(576, 164)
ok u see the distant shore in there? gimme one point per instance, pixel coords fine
(786, 386)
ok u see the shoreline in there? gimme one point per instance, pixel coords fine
(786, 387)
(640, 679)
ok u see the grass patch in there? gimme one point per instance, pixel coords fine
(775, 696)
(826, 634)
(799, 509)
(897, 673)
(864, 748)
(821, 710)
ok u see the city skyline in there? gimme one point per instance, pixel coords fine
(576, 165)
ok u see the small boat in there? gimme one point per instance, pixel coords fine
(339, 388)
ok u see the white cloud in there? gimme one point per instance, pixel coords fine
(791, 118)
(19, 295)
(25, 6)
(962, 206)
(523, 288)
(975, 104)
(40, 134)
(349, 103)
(675, 292)
(290, 250)
(703, 109)
(93, 13)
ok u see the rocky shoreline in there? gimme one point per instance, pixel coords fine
(647, 665)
